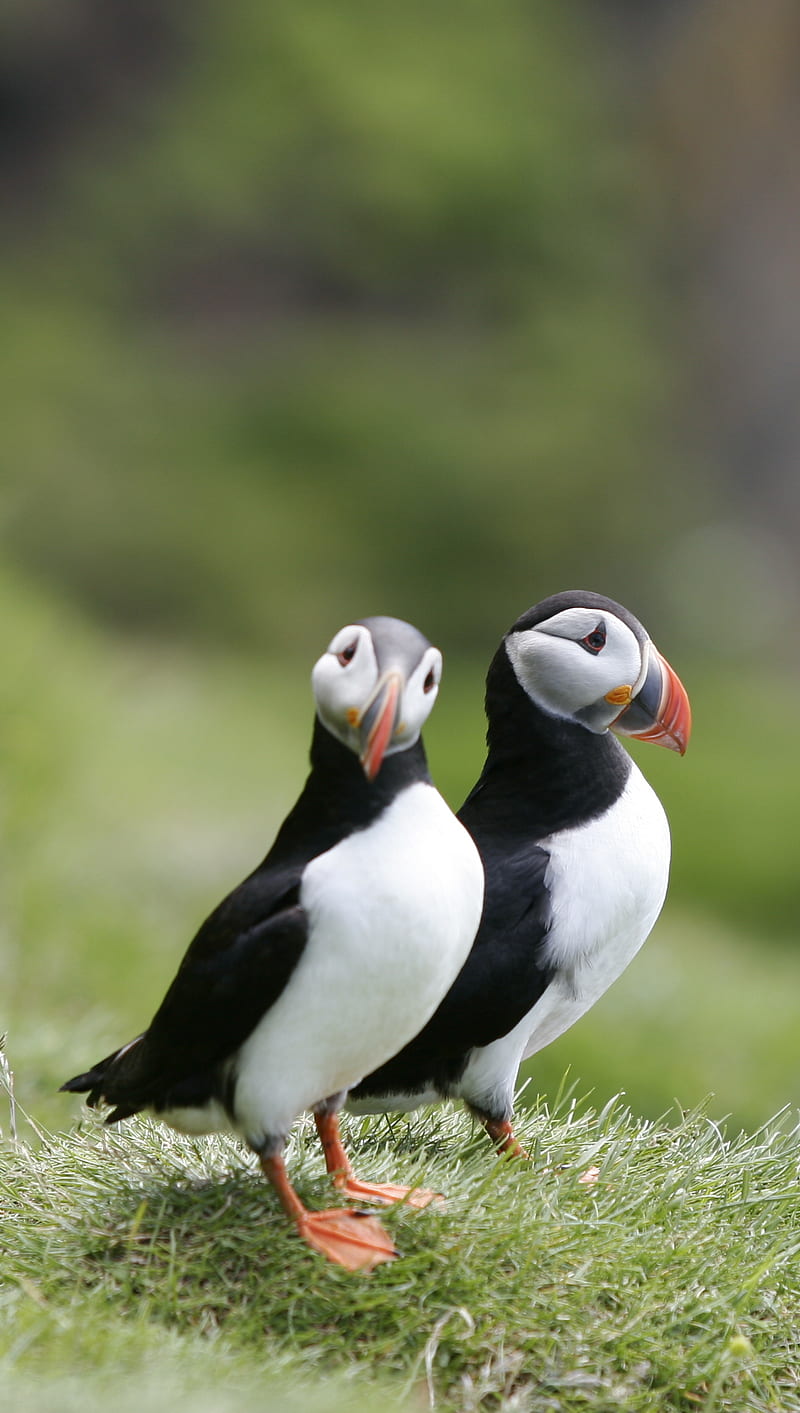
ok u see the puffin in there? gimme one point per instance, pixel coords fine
(575, 846)
(331, 955)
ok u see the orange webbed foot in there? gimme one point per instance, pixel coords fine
(386, 1192)
(345, 1180)
(351, 1239)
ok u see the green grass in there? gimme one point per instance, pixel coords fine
(671, 1283)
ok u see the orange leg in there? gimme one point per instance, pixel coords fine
(504, 1140)
(350, 1239)
(502, 1136)
(507, 1144)
(338, 1165)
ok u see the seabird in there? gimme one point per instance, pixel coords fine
(575, 846)
(332, 954)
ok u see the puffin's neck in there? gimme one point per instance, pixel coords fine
(541, 773)
(337, 798)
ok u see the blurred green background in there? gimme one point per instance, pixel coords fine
(316, 311)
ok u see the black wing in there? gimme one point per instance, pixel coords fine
(235, 969)
(502, 978)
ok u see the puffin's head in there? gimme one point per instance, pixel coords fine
(374, 687)
(583, 658)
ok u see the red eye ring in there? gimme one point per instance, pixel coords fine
(430, 682)
(595, 641)
(347, 654)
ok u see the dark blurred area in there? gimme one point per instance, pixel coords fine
(317, 311)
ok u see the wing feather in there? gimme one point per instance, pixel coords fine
(233, 972)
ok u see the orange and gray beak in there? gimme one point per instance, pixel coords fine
(660, 711)
(378, 721)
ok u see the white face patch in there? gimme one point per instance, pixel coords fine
(557, 666)
(419, 695)
(343, 680)
(347, 676)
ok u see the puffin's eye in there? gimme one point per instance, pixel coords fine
(595, 641)
(430, 682)
(347, 654)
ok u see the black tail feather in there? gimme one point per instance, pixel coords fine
(90, 1083)
(93, 1083)
(124, 1083)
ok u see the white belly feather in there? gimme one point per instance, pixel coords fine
(607, 882)
(393, 910)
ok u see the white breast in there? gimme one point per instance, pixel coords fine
(393, 910)
(607, 882)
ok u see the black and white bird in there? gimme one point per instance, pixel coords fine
(329, 957)
(575, 846)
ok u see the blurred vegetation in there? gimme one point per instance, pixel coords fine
(329, 306)
(311, 312)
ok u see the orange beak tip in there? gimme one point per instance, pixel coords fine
(382, 730)
(670, 724)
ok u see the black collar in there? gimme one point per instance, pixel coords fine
(337, 799)
(542, 773)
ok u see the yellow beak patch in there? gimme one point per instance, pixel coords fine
(619, 696)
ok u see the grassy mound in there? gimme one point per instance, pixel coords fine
(669, 1283)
